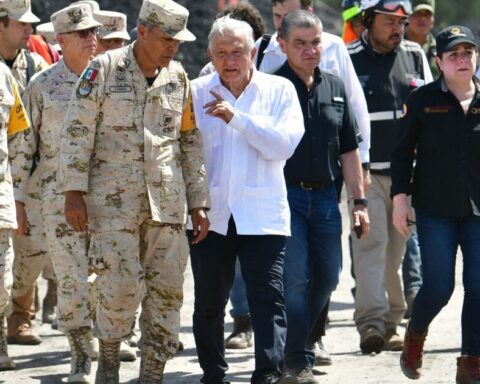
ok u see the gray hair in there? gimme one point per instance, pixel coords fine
(298, 19)
(227, 26)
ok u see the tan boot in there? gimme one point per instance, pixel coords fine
(393, 341)
(50, 303)
(151, 369)
(412, 353)
(6, 363)
(93, 346)
(127, 353)
(20, 331)
(81, 361)
(108, 363)
(468, 370)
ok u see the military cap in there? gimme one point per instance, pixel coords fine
(73, 18)
(452, 36)
(169, 16)
(20, 10)
(46, 30)
(92, 3)
(114, 25)
(423, 5)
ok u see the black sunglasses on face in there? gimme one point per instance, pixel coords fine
(84, 33)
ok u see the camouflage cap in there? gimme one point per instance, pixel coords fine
(46, 30)
(92, 3)
(169, 16)
(114, 25)
(423, 5)
(73, 18)
(20, 10)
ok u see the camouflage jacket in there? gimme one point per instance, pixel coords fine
(124, 141)
(46, 100)
(19, 68)
(13, 125)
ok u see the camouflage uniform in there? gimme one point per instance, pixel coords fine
(136, 153)
(46, 100)
(11, 140)
(31, 252)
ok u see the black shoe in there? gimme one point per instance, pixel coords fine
(241, 337)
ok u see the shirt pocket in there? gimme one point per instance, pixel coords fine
(331, 117)
(118, 110)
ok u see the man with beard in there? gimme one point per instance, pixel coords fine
(389, 68)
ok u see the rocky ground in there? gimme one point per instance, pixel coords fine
(48, 363)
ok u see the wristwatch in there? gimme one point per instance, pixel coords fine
(363, 202)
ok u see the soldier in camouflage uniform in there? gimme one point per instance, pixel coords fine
(30, 253)
(131, 157)
(46, 100)
(13, 121)
(113, 32)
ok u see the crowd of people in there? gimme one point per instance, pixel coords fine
(116, 168)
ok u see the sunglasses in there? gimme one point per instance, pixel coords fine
(84, 33)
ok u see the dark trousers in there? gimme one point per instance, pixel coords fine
(213, 265)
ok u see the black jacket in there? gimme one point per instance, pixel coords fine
(387, 80)
(446, 179)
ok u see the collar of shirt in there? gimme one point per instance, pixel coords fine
(294, 78)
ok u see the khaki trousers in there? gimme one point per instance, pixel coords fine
(377, 258)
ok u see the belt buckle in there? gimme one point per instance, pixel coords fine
(305, 188)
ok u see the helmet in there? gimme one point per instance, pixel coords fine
(351, 8)
(395, 7)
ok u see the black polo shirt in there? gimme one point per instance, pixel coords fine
(446, 178)
(330, 128)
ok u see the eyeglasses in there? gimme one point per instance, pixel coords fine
(395, 5)
(84, 33)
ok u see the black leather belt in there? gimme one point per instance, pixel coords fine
(309, 185)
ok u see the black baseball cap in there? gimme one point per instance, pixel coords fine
(452, 36)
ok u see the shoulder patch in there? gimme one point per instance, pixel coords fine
(90, 74)
(84, 88)
(404, 111)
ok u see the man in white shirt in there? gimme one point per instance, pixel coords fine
(251, 123)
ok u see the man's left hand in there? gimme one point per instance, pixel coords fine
(219, 108)
(200, 224)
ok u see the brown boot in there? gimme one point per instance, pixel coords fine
(151, 370)
(50, 303)
(20, 332)
(468, 370)
(412, 353)
(6, 363)
(108, 363)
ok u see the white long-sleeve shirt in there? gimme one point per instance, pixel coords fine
(336, 60)
(245, 158)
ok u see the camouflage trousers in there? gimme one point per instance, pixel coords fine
(6, 263)
(69, 253)
(143, 265)
(31, 257)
